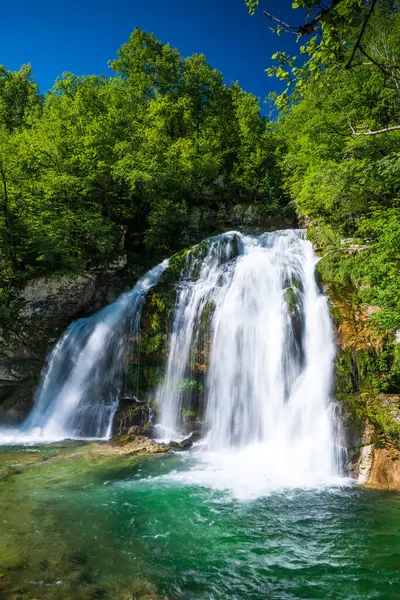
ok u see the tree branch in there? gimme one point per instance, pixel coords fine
(352, 249)
(284, 25)
(385, 70)
(307, 28)
(377, 132)
(362, 31)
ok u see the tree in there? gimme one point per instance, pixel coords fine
(19, 95)
(346, 34)
(343, 174)
(158, 154)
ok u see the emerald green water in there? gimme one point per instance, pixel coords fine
(74, 525)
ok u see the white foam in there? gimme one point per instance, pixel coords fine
(252, 472)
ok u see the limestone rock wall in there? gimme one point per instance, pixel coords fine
(43, 309)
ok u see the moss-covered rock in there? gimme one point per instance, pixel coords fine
(131, 414)
(145, 370)
(367, 376)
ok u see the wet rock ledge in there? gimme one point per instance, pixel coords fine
(131, 443)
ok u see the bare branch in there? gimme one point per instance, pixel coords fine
(351, 249)
(307, 28)
(354, 133)
(362, 31)
(286, 26)
(377, 132)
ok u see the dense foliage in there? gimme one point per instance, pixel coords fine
(339, 129)
(147, 161)
(163, 153)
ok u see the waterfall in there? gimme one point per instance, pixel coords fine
(269, 354)
(78, 394)
(250, 351)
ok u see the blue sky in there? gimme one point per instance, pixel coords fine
(81, 36)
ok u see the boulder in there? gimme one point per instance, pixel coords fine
(384, 469)
(185, 444)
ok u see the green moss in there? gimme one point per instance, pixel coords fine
(346, 373)
(380, 411)
(206, 318)
(387, 429)
(179, 262)
(190, 385)
(191, 259)
(121, 439)
(368, 370)
(291, 299)
(189, 415)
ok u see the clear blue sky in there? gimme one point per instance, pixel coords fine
(82, 35)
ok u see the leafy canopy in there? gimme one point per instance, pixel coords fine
(146, 162)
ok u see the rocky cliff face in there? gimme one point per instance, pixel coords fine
(367, 388)
(43, 309)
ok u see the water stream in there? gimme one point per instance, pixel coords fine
(78, 394)
(268, 417)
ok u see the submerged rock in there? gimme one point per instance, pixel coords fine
(5, 582)
(139, 590)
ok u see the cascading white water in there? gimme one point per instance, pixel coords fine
(251, 307)
(80, 386)
(267, 391)
(197, 288)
